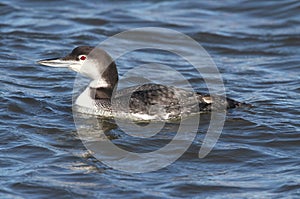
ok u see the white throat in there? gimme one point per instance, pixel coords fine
(85, 100)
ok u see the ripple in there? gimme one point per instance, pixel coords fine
(255, 46)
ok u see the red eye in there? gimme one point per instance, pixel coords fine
(82, 58)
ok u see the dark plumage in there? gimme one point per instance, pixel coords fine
(157, 101)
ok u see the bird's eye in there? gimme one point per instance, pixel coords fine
(82, 57)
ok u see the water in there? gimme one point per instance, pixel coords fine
(255, 45)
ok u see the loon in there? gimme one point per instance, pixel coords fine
(146, 102)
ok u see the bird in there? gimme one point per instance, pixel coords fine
(149, 101)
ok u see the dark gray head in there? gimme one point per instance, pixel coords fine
(95, 63)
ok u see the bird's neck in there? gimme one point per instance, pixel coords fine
(103, 87)
(101, 93)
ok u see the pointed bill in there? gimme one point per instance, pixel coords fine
(57, 62)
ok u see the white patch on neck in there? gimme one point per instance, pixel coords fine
(99, 83)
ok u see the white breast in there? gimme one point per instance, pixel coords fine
(84, 99)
